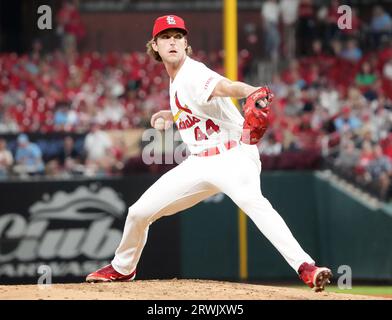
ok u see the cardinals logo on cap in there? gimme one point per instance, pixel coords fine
(168, 22)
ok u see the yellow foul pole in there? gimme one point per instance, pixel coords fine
(230, 38)
(231, 62)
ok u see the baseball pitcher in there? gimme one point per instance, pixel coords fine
(224, 157)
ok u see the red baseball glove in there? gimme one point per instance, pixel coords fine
(256, 109)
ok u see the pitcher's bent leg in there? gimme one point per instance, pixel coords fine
(172, 193)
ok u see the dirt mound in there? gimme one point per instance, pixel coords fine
(167, 290)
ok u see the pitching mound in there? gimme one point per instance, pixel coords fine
(167, 290)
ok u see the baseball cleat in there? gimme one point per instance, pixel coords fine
(108, 274)
(315, 277)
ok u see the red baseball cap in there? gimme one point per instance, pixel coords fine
(168, 22)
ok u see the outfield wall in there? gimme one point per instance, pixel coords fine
(335, 228)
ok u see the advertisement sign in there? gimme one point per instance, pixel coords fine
(74, 227)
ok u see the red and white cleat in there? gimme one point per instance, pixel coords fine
(315, 277)
(108, 274)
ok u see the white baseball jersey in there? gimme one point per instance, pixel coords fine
(203, 123)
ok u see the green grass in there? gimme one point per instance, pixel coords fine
(364, 290)
(360, 289)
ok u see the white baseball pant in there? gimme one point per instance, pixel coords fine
(235, 172)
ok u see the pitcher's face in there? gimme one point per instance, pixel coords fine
(171, 45)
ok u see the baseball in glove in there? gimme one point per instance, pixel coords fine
(256, 110)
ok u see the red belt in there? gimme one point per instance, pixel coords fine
(214, 151)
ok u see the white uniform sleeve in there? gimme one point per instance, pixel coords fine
(203, 83)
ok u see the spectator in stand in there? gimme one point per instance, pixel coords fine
(386, 144)
(381, 163)
(252, 39)
(28, 158)
(8, 124)
(329, 99)
(270, 146)
(65, 164)
(98, 146)
(348, 157)
(332, 18)
(380, 25)
(292, 69)
(69, 26)
(69, 158)
(270, 19)
(118, 152)
(344, 139)
(336, 47)
(13, 95)
(367, 131)
(53, 169)
(365, 157)
(60, 117)
(367, 80)
(387, 75)
(245, 65)
(306, 26)
(289, 142)
(317, 55)
(36, 50)
(299, 82)
(312, 76)
(380, 170)
(85, 113)
(355, 98)
(385, 52)
(366, 76)
(365, 136)
(318, 118)
(387, 70)
(381, 117)
(351, 51)
(278, 87)
(294, 105)
(347, 121)
(317, 52)
(6, 159)
(320, 56)
(111, 112)
(289, 14)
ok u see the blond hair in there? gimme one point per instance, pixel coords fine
(154, 54)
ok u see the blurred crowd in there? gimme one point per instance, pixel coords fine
(58, 92)
(336, 97)
(96, 154)
(79, 93)
(289, 26)
(333, 100)
(343, 109)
